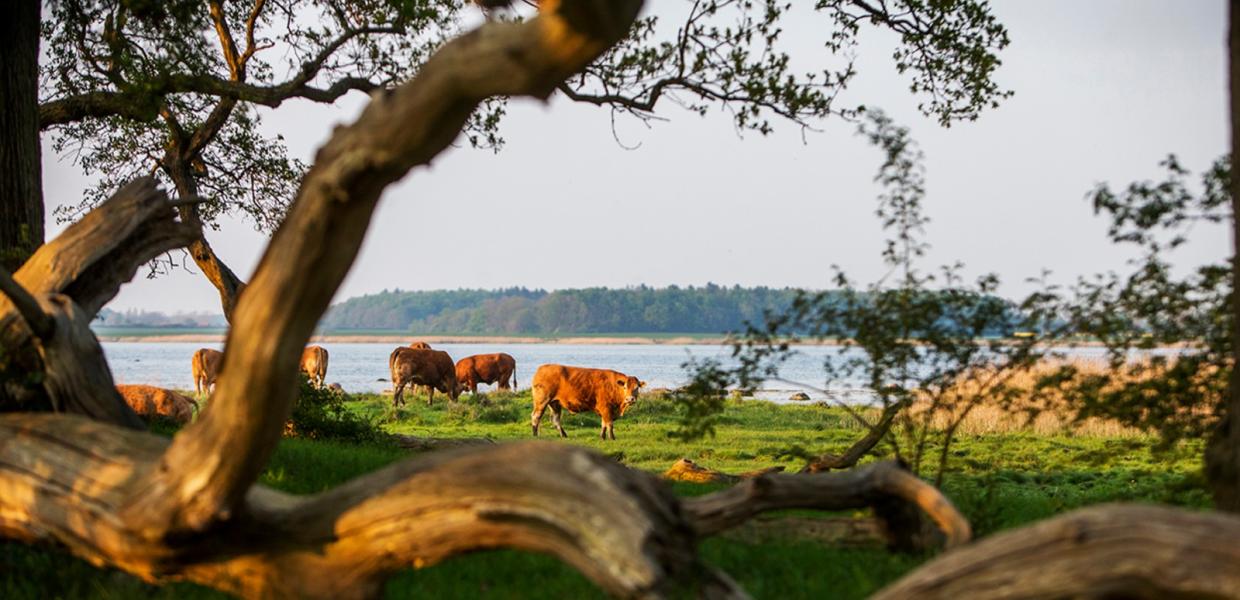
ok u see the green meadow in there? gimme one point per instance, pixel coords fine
(999, 481)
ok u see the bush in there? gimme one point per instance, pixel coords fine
(320, 414)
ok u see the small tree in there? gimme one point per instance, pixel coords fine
(909, 337)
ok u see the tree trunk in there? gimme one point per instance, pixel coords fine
(225, 281)
(1223, 452)
(21, 191)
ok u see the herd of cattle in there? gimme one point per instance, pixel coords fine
(577, 389)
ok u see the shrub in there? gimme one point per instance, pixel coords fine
(320, 413)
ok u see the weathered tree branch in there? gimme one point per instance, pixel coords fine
(886, 486)
(1110, 551)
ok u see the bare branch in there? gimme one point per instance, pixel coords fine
(874, 485)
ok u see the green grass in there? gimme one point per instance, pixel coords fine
(998, 481)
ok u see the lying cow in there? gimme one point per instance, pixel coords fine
(205, 366)
(149, 401)
(314, 364)
(606, 392)
(432, 368)
(486, 368)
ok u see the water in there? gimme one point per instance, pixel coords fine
(363, 367)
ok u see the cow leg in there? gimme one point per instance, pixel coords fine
(430, 395)
(611, 429)
(602, 434)
(555, 417)
(536, 417)
(396, 393)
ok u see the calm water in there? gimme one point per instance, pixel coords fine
(364, 367)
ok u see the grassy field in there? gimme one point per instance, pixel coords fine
(999, 480)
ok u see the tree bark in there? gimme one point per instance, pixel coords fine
(226, 282)
(1109, 551)
(21, 191)
(1222, 459)
(895, 494)
(87, 263)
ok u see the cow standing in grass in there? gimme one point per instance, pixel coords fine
(314, 365)
(205, 367)
(495, 368)
(432, 368)
(578, 389)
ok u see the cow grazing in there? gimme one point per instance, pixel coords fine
(205, 366)
(314, 364)
(606, 392)
(486, 368)
(432, 368)
(419, 345)
(149, 402)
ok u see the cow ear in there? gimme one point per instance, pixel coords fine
(641, 384)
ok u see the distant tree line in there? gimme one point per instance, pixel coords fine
(706, 309)
(149, 318)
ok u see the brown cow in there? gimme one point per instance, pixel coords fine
(486, 368)
(606, 392)
(432, 368)
(314, 364)
(149, 401)
(205, 366)
(420, 345)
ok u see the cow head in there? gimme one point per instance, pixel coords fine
(629, 387)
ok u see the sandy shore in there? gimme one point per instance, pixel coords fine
(430, 339)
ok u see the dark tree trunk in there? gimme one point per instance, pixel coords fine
(21, 194)
(226, 282)
(1223, 452)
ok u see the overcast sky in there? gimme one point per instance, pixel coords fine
(1104, 91)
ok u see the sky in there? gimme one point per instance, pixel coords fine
(1104, 90)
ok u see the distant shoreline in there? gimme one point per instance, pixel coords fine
(347, 338)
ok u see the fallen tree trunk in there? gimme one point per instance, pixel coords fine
(1110, 551)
